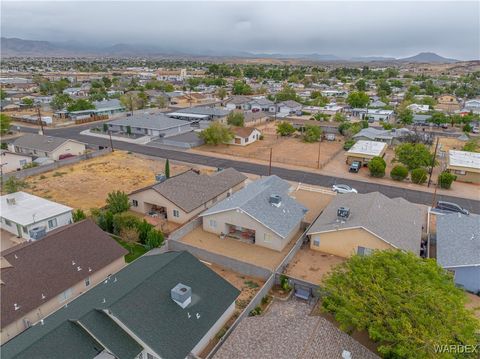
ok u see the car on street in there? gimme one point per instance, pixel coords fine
(343, 188)
(443, 206)
(355, 167)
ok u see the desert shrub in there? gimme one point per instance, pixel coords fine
(445, 180)
(377, 167)
(399, 173)
(348, 144)
(419, 175)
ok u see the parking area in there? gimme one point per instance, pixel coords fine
(311, 266)
(246, 252)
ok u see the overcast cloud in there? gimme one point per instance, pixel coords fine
(387, 28)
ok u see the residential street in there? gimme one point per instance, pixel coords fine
(421, 197)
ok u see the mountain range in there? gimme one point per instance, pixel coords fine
(15, 47)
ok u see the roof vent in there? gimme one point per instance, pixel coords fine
(343, 213)
(346, 354)
(275, 200)
(11, 201)
(182, 295)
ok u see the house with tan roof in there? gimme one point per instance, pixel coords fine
(360, 223)
(39, 277)
(243, 136)
(181, 198)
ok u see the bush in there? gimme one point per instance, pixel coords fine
(445, 180)
(117, 202)
(285, 128)
(154, 239)
(377, 167)
(399, 173)
(216, 134)
(256, 311)
(312, 133)
(348, 144)
(123, 221)
(143, 228)
(467, 128)
(419, 175)
(284, 283)
(14, 184)
(78, 215)
(236, 119)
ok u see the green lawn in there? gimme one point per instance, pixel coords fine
(135, 250)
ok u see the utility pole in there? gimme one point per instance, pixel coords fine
(111, 142)
(40, 119)
(1, 175)
(318, 160)
(433, 164)
(434, 197)
(270, 163)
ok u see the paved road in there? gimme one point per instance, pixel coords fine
(473, 204)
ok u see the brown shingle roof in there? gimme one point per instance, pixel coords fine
(45, 266)
(189, 190)
(243, 131)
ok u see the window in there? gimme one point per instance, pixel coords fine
(213, 223)
(316, 242)
(87, 281)
(363, 251)
(52, 223)
(134, 203)
(176, 213)
(267, 238)
(460, 172)
(65, 295)
(23, 162)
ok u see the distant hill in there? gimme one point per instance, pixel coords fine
(19, 47)
(427, 57)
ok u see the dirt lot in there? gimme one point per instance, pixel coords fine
(311, 266)
(313, 200)
(288, 150)
(229, 247)
(86, 184)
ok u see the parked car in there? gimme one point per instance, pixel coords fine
(355, 166)
(451, 207)
(476, 130)
(65, 155)
(343, 188)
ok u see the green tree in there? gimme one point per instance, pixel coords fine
(221, 93)
(78, 215)
(154, 239)
(167, 168)
(285, 128)
(406, 304)
(80, 105)
(472, 145)
(235, 118)
(361, 85)
(419, 175)
(27, 101)
(312, 133)
(143, 228)
(438, 118)
(105, 127)
(383, 88)
(405, 115)
(60, 101)
(445, 179)
(286, 93)
(399, 173)
(14, 184)
(377, 167)
(358, 99)
(339, 117)
(216, 134)
(3, 95)
(241, 88)
(130, 101)
(5, 122)
(124, 220)
(348, 144)
(161, 102)
(413, 155)
(103, 218)
(117, 202)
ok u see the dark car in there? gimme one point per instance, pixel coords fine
(451, 207)
(65, 156)
(355, 167)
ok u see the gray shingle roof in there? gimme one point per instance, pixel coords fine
(189, 190)
(210, 111)
(289, 103)
(108, 104)
(139, 299)
(40, 142)
(458, 240)
(254, 200)
(156, 121)
(396, 221)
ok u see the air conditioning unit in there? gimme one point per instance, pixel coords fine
(37, 232)
(11, 201)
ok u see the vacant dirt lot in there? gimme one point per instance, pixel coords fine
(246, 252)
(86, 184)
(288, 150)
(311, 266)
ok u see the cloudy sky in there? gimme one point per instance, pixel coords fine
(343, 28)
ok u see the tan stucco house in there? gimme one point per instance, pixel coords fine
(181, 198)
(359, 223)
(262, 213)
(465, 165)
(363, 151)
(39, 277)
(47, 146)
(243, 136)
